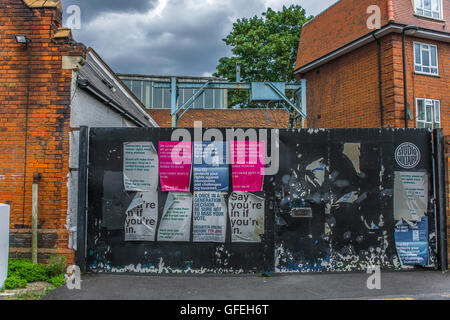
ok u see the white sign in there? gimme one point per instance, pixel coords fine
(140, 166)
(410, 195)
(246, 212)
(176, 220)
(210, 217)
(142, 217)
(407, 155)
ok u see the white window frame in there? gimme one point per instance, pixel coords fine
(420, 10)
(435, 120)
(422, 45)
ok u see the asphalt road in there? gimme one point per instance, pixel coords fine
(421, 285)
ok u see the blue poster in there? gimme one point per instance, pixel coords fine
(411, 241)
(210, 166)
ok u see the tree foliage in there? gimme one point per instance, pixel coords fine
(266, 47)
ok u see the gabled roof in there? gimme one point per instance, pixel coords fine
(96, 77)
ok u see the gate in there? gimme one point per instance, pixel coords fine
(333, 205)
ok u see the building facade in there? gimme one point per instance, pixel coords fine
(355, 73)
(50, 86)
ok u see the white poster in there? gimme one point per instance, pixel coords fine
(176, 220)
(246, 212)
(140, 166)
(410, 195)
(142, 217)
(210, 217)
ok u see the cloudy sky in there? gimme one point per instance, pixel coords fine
(167, 37)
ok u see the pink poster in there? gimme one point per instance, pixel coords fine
(247, 165)
(175, 165)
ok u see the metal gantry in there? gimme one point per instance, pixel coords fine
(260, 92)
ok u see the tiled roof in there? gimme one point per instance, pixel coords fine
(43, 4)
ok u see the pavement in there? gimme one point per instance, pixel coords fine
(414, 285)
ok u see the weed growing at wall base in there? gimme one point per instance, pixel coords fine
(21, 272)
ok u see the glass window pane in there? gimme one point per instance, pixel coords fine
(434, 56)
(137, 89)
(417, 54)
(157, 98)
(420, 11)
(147, 94)
(420, 125)
(437, 111)
(127, 83)
(436, 5)
(426, 69)
(218, 99)
(425, 58)
(429, 113)
(427, 4)
(209, 99)
(199, 101)
(420, 110)
(167, 98)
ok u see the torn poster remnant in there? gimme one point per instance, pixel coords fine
(246, 212)
(411, 241)
(410, 195)
(177, 216)
(142, 217)
(140, 166)
(210, 217)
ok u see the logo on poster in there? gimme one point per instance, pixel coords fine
(407, 155)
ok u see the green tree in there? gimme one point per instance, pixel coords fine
(266, 47)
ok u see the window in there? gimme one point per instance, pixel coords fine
(425, 58)
(429, 8)
(428, 113)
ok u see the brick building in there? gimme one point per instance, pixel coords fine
(355, 74)
(50, 85)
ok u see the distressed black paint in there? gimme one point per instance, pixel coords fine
(331, 237)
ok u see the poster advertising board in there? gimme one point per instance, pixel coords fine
(210, 217)
(210, 166)
(247, 165)
(410, 195)
(177, 217)
(411, 241)
(175, 165)
(142, 217)
(246, 212)
(140, 166)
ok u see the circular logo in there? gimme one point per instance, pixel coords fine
(407, 155)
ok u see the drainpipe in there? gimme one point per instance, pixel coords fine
(380, 81)
(34, 218)
(405, 84)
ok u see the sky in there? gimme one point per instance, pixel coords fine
(167, 37)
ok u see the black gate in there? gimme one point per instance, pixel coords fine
(330, 207)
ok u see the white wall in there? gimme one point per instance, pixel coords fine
(85, 111)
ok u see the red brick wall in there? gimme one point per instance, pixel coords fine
(339, 25)
(228, 118)
(344, 92)
(47, 101)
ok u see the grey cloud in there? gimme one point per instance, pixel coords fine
(185, 39)
(93, 8)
